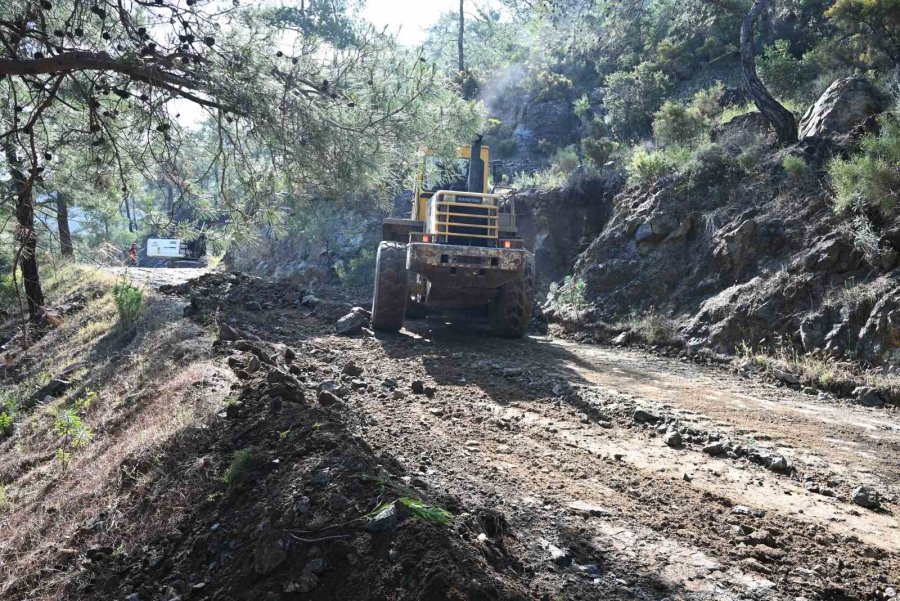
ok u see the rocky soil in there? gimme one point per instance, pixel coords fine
(570, 471)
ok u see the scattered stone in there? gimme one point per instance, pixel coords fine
(866, 496)
(687, 478)
(398, 395)
(588, 509)
(716, 448)
(673, 438)
(228, 334)
(786, 377)
(561, 557)
(269, 554)
(289, 354)
(338, 502)
(333, 387)
(386, 519)
(352, 322)
(561, 389)
(430, 391)
(642, 417)
(778, 464)
(389, 383)
(327, 398)
(868, 396)
(418, 387)
(310, 300)
(54, 388)
(352, 369)
(741, 510)
(621, 339)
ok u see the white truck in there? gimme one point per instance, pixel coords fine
(174, 252)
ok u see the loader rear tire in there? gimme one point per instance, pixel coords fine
(389, 300)
(510, 312)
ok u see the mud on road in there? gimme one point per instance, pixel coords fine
(620, 474)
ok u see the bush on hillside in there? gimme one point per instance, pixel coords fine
(645, 166)
(676, 124)
(128, 299)
(870, 179)
(565, 160)
(598, 150)
(784, 74)
(795, 167)
(630, 97)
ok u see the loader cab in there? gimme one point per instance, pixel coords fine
(441, 173)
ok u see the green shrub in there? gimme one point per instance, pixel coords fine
(73, 434)
(706, 102)
(653, 327)
(240, 468)
(646, 166)
(570, 294)
(8, 410)
(676, 124)
(785, 75)
(630, 97)
(552, 86)
(539, 180)
(565, 160)
(870, 179)
(794, 166)
(709, 160)
(8, 295)
(736, 111)
(128, 299)
(598, 150)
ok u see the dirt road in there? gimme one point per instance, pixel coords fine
(547, 432)
(157, 276)
(626, 475)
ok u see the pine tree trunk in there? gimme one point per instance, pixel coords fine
(782, 120)
(459, 40)
(25, 233)
(62, 224)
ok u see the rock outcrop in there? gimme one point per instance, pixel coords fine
(845, 104)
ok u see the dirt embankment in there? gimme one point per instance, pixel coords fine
(568, 471)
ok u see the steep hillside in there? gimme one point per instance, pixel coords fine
(752, 257)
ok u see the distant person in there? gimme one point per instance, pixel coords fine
(133, 255)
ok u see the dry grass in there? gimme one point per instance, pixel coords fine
(153, 381)
(820, 370)
(651, 327)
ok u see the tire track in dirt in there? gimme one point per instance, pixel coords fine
(494, 436)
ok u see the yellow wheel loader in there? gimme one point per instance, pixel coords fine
(459, 250)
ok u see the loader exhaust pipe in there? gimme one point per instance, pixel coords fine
(475, 181)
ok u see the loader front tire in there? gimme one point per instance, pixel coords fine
(389, 300)
(510, 312)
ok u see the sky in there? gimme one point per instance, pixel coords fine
(410, 17)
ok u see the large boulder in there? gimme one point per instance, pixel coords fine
(845, 104)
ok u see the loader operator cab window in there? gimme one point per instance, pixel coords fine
(445, 174)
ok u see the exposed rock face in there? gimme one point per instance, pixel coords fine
(845, 104)
(733, 257)
(557, 225)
